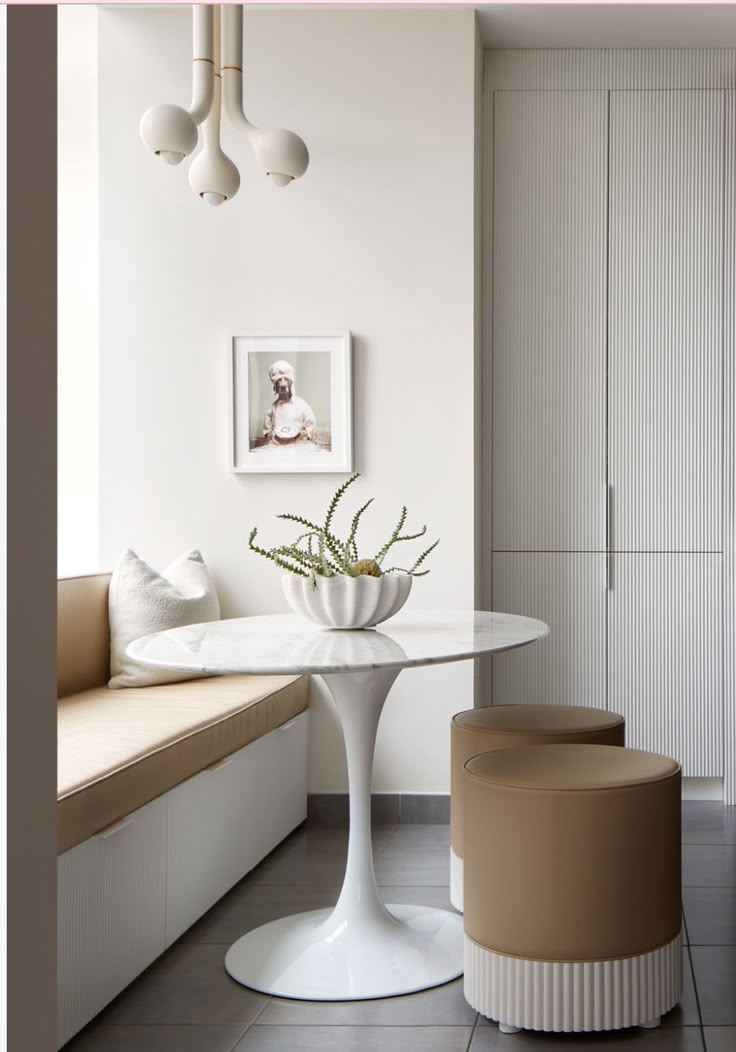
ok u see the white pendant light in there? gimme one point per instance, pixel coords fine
(213, 176)
(170, 131)
(282, 154)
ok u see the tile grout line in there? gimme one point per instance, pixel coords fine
(269, 1001)
(472, 1032)
(697, 995)
(240, 1037)
(274, 1026)
(375, 1026)
(92, 1025)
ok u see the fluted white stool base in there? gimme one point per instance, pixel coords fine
(581, 996)
(456, 881)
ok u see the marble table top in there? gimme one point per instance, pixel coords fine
(282, 644)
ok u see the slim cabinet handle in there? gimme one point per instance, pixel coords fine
(604, 494)
(609, 537)
(610, 545)
(218, 766)
(116, 827)
(608, 526)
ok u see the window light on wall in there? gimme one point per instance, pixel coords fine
(170, 131)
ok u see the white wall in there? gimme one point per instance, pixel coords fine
(78, 375)
(377, 238)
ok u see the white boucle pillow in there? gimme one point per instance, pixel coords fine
(143, 601)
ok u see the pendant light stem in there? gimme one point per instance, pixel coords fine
(232, 63)
(213, 176)
(211, 125)
(203, 55)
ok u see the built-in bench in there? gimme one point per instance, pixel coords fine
(167, 796)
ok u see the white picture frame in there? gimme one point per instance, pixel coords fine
(291, 402)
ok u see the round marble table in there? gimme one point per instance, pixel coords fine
(361, 948)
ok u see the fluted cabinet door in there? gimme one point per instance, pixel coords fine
(566, 590)
(665, 656)
(548, 320)
(666, 320)
(111, 895)
(219, 813)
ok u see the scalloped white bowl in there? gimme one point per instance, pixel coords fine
(347, 602)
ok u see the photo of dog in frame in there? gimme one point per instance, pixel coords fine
(291, 402)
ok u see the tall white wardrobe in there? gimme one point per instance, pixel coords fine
(610, 196)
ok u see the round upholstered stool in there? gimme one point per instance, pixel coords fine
(508, 727)
(572, 887)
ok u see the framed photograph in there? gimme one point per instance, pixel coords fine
(291, 402)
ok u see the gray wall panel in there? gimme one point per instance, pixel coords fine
(729, 448)
(623, 68)
(548, 331)
(484, 695)
(665, 320)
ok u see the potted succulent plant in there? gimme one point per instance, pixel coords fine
(327, 580)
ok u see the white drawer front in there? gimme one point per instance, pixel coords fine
(111, 913)
(223, 821)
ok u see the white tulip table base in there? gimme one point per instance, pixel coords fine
(320, 956)
(360, 949)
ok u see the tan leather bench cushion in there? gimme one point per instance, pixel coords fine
(83, 633)
(572, 852)
(118, 749)
(511, 726)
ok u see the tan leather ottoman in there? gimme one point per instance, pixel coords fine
(572, 887)
(509, 727)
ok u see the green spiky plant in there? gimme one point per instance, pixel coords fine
(319, 552)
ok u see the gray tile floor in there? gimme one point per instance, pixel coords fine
(186, 1002)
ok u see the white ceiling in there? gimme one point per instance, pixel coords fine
(565, 25)
(607, 25)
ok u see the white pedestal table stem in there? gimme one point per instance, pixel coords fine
(360, 949)
(359, 698)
